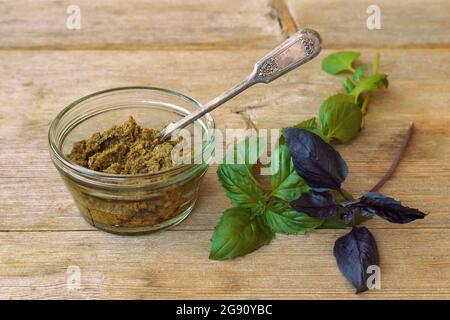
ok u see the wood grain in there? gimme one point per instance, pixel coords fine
(43, 68)
(404, 23)
(116, 24)
(414, 264)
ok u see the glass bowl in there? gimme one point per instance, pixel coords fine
(130, 204)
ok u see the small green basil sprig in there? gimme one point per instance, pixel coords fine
(358, 86)
(258, 212)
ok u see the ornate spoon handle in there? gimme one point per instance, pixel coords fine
(295, 51)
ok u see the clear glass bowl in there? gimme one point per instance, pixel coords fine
(129, 204)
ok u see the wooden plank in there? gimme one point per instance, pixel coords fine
(226, 24)
(414, 264)
(135, 24)
(34, 198)
(404, 23)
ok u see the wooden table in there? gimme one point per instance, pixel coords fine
(200, 48)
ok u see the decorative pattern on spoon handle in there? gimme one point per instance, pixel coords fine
(300, 48)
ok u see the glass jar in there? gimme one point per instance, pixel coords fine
(129, 204)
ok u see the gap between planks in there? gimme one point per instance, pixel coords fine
(194, 48)
(324, 231)
(284, 17)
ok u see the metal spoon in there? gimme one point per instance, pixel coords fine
(298, 49)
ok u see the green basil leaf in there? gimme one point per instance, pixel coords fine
(371, 83)
(339, 196)
(240, 185)
(348, 85)
(286, 183)
(309, 124)
(249, 150)
(359, 73)
(237, 234)
(283, 219)
(333, 223)
(339, 61)
(258, 209)
(340, 117)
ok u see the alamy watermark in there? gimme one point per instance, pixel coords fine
(73, 281)
(73, 21)
(229, 146)
(374, 280)
(373, 22)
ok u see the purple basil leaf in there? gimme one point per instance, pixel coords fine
(367, 211)
(315, 161)
(390, 209)
(348, 213)
(354, 253)
(316, 204)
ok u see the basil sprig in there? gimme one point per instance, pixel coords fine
(324, 169)
(265, 212)
(306, 179)
(340, 119)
